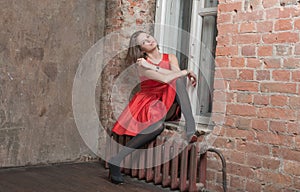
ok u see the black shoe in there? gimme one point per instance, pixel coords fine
(115, 175)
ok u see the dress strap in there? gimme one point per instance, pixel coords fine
(165, 57)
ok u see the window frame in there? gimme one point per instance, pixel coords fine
(165, 7)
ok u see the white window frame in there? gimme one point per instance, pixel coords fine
(163, 10)
(195, 51)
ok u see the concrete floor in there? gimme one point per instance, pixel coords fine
(79, 177)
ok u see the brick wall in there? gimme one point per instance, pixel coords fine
(258, 60)
(123, 18)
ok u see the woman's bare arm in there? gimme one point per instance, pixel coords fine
(164, 75)
(165, 78)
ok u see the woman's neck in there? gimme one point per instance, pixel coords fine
(154, 56)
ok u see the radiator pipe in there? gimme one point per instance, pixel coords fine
(224, 172)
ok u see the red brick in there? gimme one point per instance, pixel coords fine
(253, 63)
(297, 141)
(219, 96)
(264, 26)
(277, 13)
(295, 103)
(260, 124)
(223, 40)
(270, 3)
(265, 51)
(244, 98)
(238, 133)
(219, 107)
(281, 75)
(254, 161)
(246, 39)
(287, 154)
(246, 74)
(249, 16)
(224, 18)
(261, 100)
(278, 100)
(274, 187)
(288, 12)
(291, 63)
(243, 86)
(229, 7)
(220, 84)
(279, 87)
(296, 76)
(272, 63)
(291, 168)
(274, 139)
(272, 177)
(221, 62)
(224, 143)
(241, 110)
(244, 171)
(293, 128)
(253, 148)
(237, 62)
(278, 127)
(228, 28)
(277, 113)
(263, 75)
(243, 123)
(230, 121)
(226, 73)
(235, 157)
(271, 163)
(227, 51)
(283, 37)
(297, 24)
(297, 49)
(223, 96)
(297, 182)
(252, 185)
(283, 25)
(249, 50)
(283, 50)
(247, 27)
(237, 183)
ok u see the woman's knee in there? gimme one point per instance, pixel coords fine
(180, 82)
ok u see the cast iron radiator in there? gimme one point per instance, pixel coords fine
(168, 162)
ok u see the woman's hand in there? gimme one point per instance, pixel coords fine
(143, 63)
(192, 77)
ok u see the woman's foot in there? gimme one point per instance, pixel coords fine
(193, 136)
(115, 175)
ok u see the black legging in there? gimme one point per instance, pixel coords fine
(151, 132)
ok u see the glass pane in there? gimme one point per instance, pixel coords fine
(210, 3)
(207, 55)
(176, 37)
(184, 25)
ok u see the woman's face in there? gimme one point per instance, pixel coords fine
(146, 42)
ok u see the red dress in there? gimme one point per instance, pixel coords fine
(147, 106)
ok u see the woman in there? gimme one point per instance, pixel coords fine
(162, 84)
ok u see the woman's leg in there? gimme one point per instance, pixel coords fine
(136, 142)
(144, 137)
(183, 100)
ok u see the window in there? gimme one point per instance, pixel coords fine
(188, 29)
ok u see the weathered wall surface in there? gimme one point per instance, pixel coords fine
(41, 44)
(123, 18)
(258, 61)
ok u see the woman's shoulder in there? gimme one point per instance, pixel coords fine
(169, 57)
